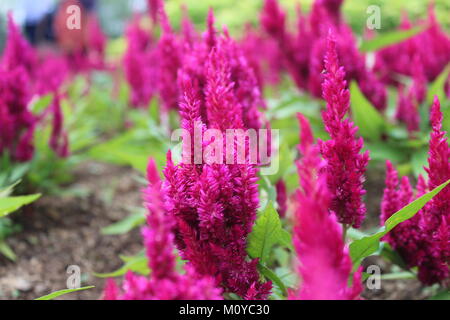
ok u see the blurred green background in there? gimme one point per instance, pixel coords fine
(235, 13)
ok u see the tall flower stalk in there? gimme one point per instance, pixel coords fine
(324, 263)
(346, 164)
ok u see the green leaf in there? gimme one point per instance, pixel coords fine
(59, 293)
(266, 232)
(269, 274)
(442, 295)
(369, 245)
(370, 122)
(419, 160)
(125, 225)
(398, 275)
(138, 264)
(437, 87)
(389, 38)
(11, 204)
(41, 103)
(6, 191)
(6, 250)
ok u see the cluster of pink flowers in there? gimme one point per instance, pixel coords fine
(424, 240)
(17, 123)
(22, 75)
(345, 165)
(163, 66)
(430, 47)
(215, 205)
(165, 282)
(303, 52)
(140, 64)
(324, 263)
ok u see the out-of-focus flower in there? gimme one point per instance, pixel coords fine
(59, 140)
(169, 57)
(18, 52)
(407, 111)
(140, 64)
(429, 49)
(303, 53)
(281, 197)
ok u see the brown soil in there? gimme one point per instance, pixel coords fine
(59, 231)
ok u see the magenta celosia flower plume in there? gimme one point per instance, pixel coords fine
(215, 205)
(345, 164)
(429, 49)
(140, 64)
(408, 111)
(59, 140)
(423, 240)
(18, 52)
(164, 282)
(169, 57)
(324, 263)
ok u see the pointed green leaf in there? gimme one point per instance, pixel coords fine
(59, 293)
(11, 204)
(370, 122)
(272, 276)
(266, 232)
(138, 264)
(437, 87)
(125, 225)
(389, 38)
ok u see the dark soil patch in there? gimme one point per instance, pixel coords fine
(58, 231)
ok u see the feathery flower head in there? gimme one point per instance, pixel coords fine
(324, 263)
(169, 57)
(215, 205)
(345, 164)
(17, 122)
(211, 33)
(407, 111)
(140, 64)
(18, 52)
(423, 240)
(164, 283)
(273, 19)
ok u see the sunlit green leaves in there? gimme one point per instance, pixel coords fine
(11, 204)
(370, 122)
(138, 264)
(266, 233)
(389, 38)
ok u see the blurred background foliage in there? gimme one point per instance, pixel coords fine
(236, 13)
